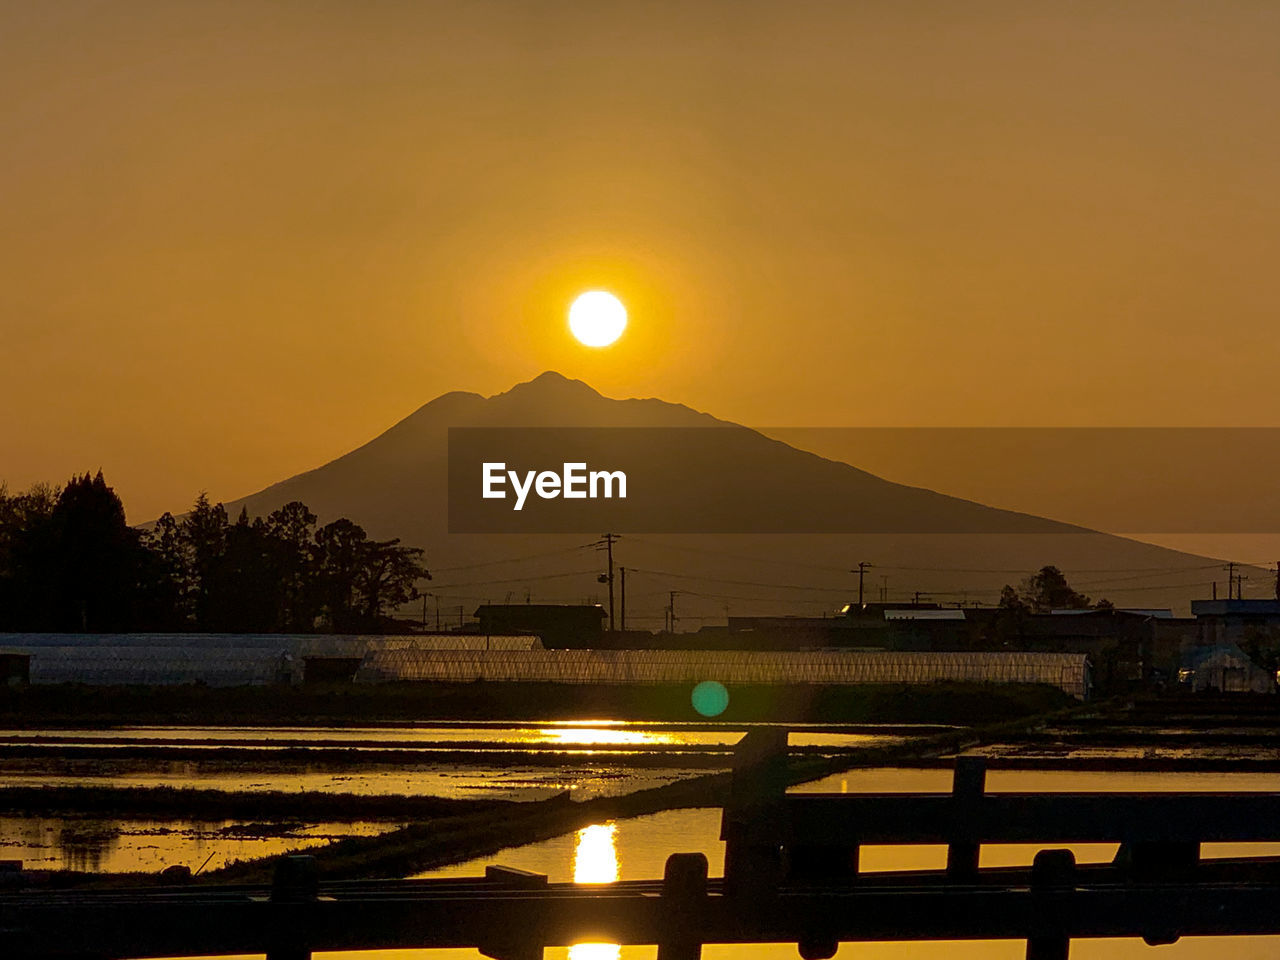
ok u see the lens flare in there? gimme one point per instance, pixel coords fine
(710, 698)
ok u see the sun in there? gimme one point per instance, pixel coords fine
(597, 318)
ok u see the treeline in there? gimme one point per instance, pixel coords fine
(1045, 591)
(70, 563)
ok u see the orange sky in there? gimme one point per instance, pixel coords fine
(239, 240)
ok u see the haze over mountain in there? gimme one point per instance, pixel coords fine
(396, 486)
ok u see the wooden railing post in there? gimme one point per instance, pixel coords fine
(502, 943)
(1157, 862)
(754, 824)
(1053, 876)
(684, 901)
(968, 783)
(296, 881)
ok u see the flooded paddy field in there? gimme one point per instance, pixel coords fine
(636, 848)
(113, 845)
(461, 781)
(582, 763)
(1117, 757)
(1163, 735)
(81, 774)
(557, 738)
(458, 761)
(601, 764)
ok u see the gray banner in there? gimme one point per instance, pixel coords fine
(908, 480)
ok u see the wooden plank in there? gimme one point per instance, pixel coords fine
(134, 924)
(1048, 818)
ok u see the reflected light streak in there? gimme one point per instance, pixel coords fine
(595, 860)
(594, 736)
(595, 951)
(595, 854)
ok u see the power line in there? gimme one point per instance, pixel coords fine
(832, 568)
(733, 556)
(494, 563)
(842, 591)
(529, 579)
(1136, 572)
(741, 583)
(1144, 576)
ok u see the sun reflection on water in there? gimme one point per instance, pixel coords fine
(595, 951)
(595, 854)
(603, 736)
(595, 860)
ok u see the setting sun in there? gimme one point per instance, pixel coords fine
(597, 318)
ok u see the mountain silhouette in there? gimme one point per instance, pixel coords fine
(396, 485)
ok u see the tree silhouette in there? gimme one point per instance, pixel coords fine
(25, 584)
(1046, 590)
(245, 594)
(203, 536)
(341, 548)
(388, 576)
(1010, 600)
(70, 562)
(290, 531)
(95, 559)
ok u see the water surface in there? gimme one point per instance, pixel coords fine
(114, 846)
(637, 848)
(568, 735)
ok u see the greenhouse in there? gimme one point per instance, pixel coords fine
(1067, 671)
(214, 659)
(294, 642)
(234, 659)
(215, 666)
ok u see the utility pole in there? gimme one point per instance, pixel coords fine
(862, 569)
(671, 608)
(607, 542)
(622, 571)
(884, 588)
(1231, 578)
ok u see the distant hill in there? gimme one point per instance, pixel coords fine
(395, 486)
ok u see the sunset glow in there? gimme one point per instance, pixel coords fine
(585, 478)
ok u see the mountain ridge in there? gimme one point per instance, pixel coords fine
(395, 485)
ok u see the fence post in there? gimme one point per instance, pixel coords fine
(753, 825)
(296, 881)
(504, 944)
(684, 900)
(1053, 875)
(968, 784)
(1155, 862)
